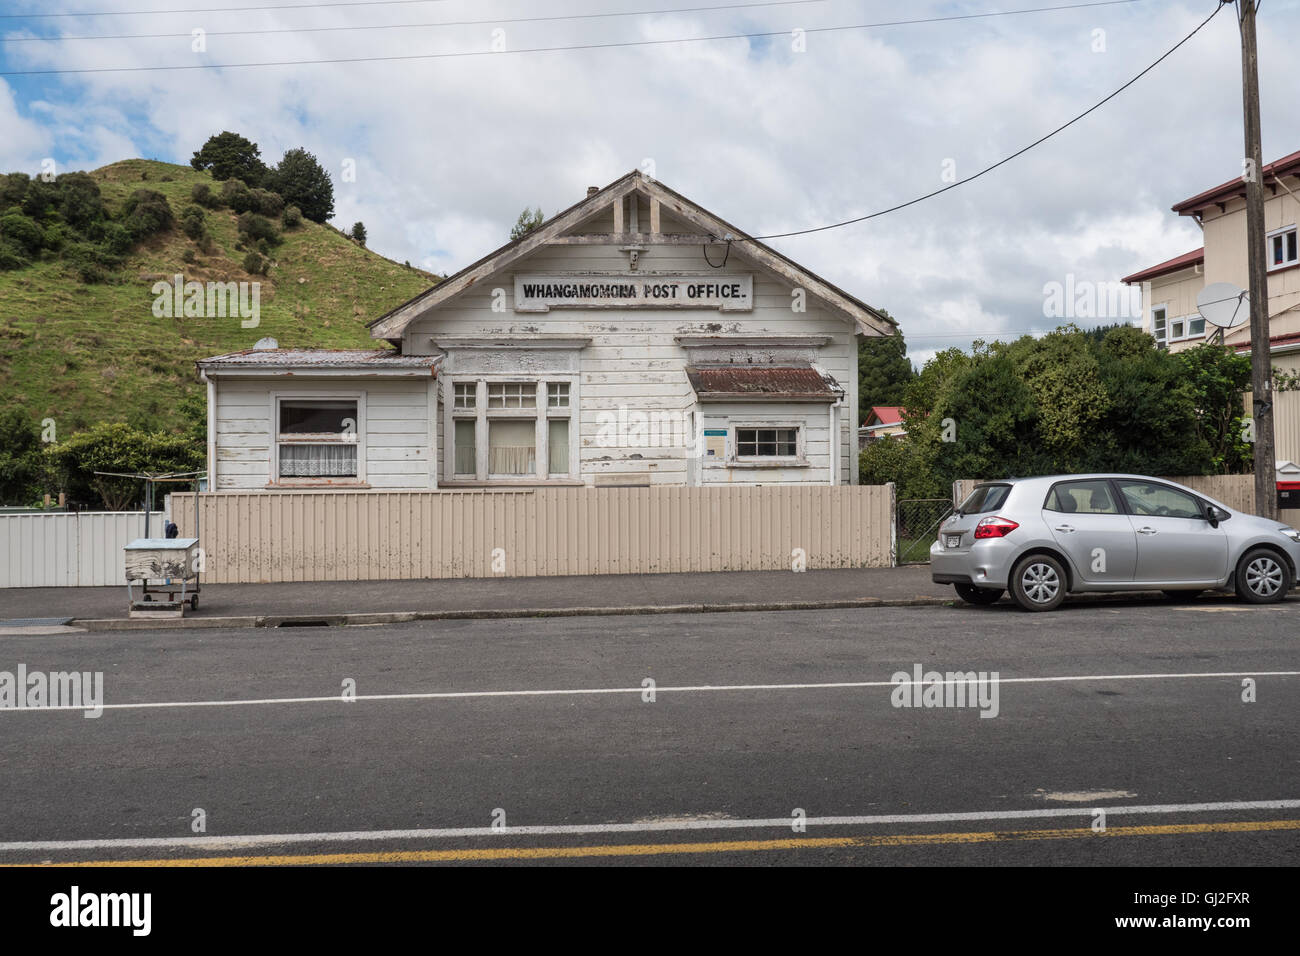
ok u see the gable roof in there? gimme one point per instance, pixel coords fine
(886, 415)
(393, 323)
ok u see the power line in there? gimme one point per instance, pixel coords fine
(412, 26)
(1001, 162)
(282, 6)
(556, 49)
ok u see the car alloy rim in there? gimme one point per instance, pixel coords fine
(1040, 583)
(1264, 577)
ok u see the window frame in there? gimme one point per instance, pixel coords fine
(1161, 335)
(1269, 237)
(735, 459)
(541, 413)
(277, 398)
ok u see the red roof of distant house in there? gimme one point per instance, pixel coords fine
(1172, 265)
(887, 414)
(1285, 166)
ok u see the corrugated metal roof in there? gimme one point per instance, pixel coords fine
(766, 382)
(319, 358)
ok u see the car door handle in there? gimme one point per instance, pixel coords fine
(1068, 529)
(1146, 530)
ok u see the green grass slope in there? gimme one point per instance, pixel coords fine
(81, 353)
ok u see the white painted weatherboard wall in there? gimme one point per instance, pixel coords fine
(395, 435)
(634, 361)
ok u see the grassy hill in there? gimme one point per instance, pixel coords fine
(84, 353)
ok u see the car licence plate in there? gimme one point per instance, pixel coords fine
(951, 540)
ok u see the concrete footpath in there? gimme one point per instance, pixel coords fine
(371, 602)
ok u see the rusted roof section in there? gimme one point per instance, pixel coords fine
(291, 359)
(762, 383)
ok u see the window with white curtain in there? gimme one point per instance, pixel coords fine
(317, 438)
(515, 415)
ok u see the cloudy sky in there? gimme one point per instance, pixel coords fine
(448, 149)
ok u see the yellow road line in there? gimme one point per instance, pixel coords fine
(728, 846)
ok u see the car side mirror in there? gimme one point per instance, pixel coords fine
(1213, 515)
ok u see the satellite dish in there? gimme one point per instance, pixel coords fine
(1223, 304)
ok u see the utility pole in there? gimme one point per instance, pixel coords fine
(1261, 363)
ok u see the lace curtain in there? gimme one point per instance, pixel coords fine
(337, 460)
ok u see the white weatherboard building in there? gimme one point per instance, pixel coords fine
(624, 341)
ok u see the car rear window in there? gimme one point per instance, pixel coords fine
(984, 498)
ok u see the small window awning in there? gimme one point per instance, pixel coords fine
(763, 383)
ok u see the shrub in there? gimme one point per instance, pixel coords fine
(263, 247)
(236, 195)
(203, 195)
(92, 264)
(359, 233)
(80, 203)
(22, 232)
(254, 264)
(11, 257)
(255, 227)
(147, 213)
(292, 217)
(193, 222)
(267, 203)
(189, 255)
(13, 188)
(116, 239)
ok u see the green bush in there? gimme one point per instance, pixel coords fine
(91, 263)
(254, 263)
(11, 257)
(80, 202)
(292, 217)
(254, 227)
(267, 203)
(236, 194)
(116, 446)
(302, 181)
(116, 239)
(203, 195)
(13, 188)
(20, 231)
(146, 213)
(193, 222)
(22, 463)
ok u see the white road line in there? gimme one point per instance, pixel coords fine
(360, 836)
(666, 689)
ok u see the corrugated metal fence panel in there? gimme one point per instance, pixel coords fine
(332, 536)
(78, 549)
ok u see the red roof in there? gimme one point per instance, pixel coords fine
(1171, 265)
(1287, 165)
(886, 414)
(768, 382)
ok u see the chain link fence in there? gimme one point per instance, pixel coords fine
(916, 524)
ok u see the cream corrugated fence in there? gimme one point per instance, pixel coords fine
(344, 536)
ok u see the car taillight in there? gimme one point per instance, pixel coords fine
(995, 528)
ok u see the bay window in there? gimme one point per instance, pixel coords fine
(510, 429)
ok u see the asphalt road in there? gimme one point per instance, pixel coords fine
(552, 731)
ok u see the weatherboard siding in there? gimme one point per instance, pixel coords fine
(634, 364)
(395, 432)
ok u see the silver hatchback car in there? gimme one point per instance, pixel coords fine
(1041, 538)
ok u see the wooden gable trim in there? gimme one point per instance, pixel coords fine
(392, 325)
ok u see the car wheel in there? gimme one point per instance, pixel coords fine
(1184, 595)
(1038, 583)
(1262, 577)
(977, 595)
